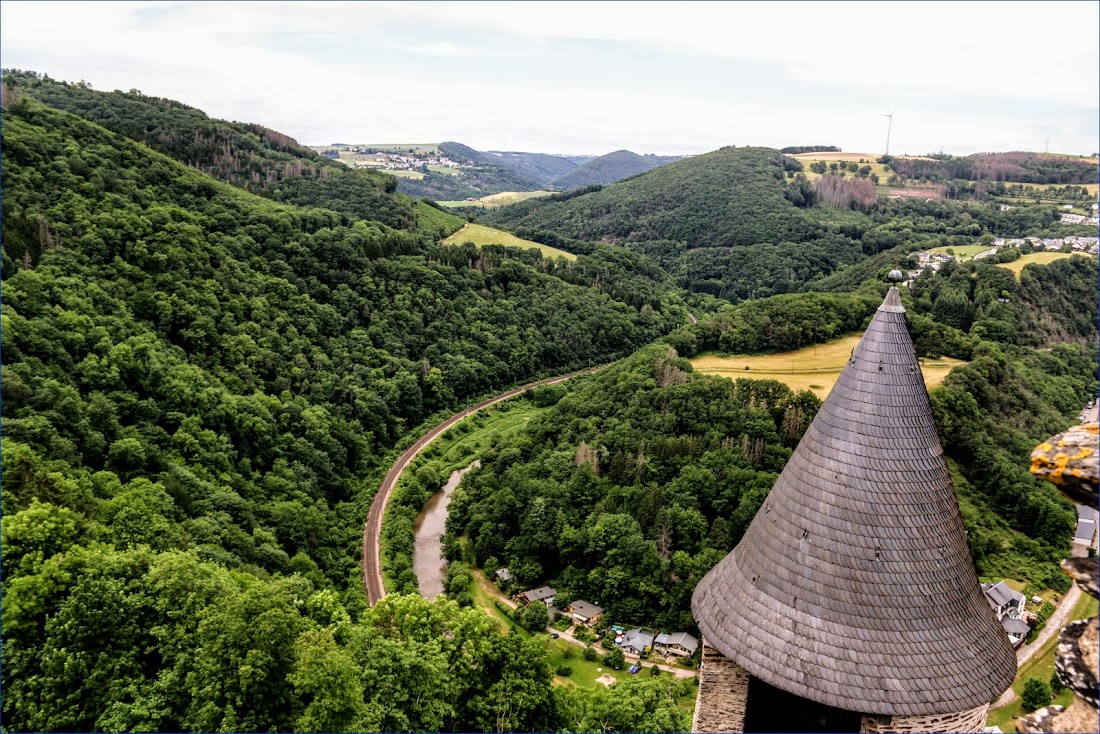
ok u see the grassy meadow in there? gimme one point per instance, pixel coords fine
(481, 235)
(962, 252)
(815, 368)
(494, 200)
(1042, 258)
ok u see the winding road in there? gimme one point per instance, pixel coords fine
(372, 529)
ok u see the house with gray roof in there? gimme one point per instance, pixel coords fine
(1016, 629)
(636, 641)
(503, 574)
(584, 613)
(1004, 601)
(1085, 533)
(678, 643)
(544, 594)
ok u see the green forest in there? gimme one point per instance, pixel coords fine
(200, 386)
(644, 476)
(215, 342)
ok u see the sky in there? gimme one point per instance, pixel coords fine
(588, 78)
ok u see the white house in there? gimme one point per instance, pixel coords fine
(1005, 601)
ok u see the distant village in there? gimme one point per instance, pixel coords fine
(390, 160)
(935, 260)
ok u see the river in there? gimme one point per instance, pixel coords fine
(431, 523)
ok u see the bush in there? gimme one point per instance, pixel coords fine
(655, 671)
(568, 652)
(615, 659)
(564, 670)
(590, 654)
(1036, 694)
(1056, 685)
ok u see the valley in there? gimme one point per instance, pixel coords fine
(236, 370)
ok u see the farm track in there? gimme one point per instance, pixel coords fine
(372, 529)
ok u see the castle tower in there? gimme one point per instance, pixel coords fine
(852, 603)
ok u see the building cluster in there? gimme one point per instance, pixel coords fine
(1069, 218)
(637, 641)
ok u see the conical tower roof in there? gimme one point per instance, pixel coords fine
(853, 585)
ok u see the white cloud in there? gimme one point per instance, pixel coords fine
(236, 61)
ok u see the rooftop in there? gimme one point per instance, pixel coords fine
(853, 585)
(585, 609)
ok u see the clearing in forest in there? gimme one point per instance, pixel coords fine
(962, 253)
(815, 368)
(1042, 258)
(481, 235)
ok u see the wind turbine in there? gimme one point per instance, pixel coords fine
(889, 126)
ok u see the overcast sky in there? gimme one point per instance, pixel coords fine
(590, 78)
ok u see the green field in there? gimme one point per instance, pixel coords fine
(1040, 666)
(815, 368)
(407, 174)
(476, 435)
(868, 159)
(962, 252)
(1042, 258)
(481, 235)
(494, 200)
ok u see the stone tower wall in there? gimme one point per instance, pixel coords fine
(723, 691)
(964, 721)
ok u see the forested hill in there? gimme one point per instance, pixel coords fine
(254, 157)
(611, 168)
(732, 196)
(197, 384)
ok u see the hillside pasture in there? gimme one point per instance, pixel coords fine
(868, 159)
(815, 368)
(1042, 258)
(962, 253)
(481, 235)
(493, 201)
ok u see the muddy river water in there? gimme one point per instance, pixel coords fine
(431, 523)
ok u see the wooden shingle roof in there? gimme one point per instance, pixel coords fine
(853, 585)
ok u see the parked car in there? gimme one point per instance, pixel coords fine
(555, 636)
(635, 668)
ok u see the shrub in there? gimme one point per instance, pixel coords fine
(590, 654)
(1056, 685)
(655, 671)
(615, 659)
(564, 670)
(1036, 694)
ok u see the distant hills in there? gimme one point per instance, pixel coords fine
(491, 172)
(610, 168)
(731, 196)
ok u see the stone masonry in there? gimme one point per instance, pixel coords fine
(723, 692)
(965, 721)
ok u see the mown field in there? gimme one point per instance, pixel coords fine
(962, 252)
(481, 235)
(868, 159)
(494, 200)
(1017, 266)
(815, 368)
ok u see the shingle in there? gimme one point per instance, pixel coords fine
(907, 633)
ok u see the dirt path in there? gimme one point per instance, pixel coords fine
(372, 528)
